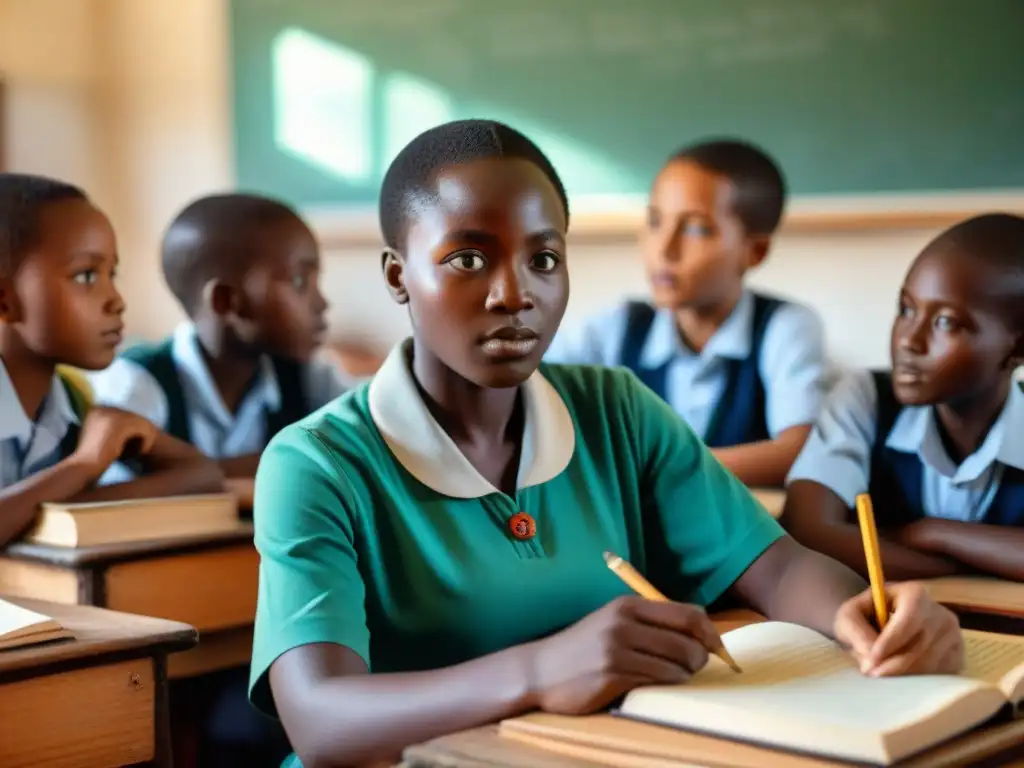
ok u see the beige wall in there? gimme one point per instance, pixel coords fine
(131, 99)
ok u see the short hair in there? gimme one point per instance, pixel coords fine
(413, 171)
(211, 238)
(760, 188)
(996, 239)
(22, 197)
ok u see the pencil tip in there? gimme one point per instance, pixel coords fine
(608, 557)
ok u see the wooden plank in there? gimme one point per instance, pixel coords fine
(100, 635)
(211, 590)
(216, 651)
(86, 718)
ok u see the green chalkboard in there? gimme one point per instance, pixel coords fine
(852, 96)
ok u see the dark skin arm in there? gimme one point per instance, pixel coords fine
(20, 502)
(816, 517)
(170, 468)
(764, 464)
(173, 468)
(792, 583)
(993, 549)
(240, 466)
(336, 714)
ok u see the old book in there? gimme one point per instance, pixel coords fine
(20, 627)
(113, 522)
(801, 692)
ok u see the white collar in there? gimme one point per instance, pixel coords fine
(57, 413)
(732, 340)
(189, 360)
(915, 431)
(426, 451)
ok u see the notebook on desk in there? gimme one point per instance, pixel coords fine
(116, 522)
(20, 627)
(801, 692)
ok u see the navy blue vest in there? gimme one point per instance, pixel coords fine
(739, 415)
(80, 406)
(158, 360)
(896, 477)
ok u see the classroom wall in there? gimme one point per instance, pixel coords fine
(135, 107)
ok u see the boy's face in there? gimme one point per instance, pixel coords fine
(696, 250)
(62, 302)
(286, 311)
(951, 340)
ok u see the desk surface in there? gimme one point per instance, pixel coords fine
(99, 635)
(75, 557)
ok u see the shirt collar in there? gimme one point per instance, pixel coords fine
(916, 431)
(426, 451)
(189, 361)
(732, 340)
(58, 412)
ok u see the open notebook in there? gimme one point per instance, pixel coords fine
(116, 522)
(20, 626)
(801, 692)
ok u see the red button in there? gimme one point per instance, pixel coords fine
(522, 526)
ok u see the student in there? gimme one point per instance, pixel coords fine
(245, 269)
(745, 370)
(58, 304)
(939, 441)
(441, 528)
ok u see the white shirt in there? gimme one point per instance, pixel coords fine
(214, 430)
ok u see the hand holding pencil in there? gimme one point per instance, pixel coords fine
(644, 588)
(896, 629)
(629, 642)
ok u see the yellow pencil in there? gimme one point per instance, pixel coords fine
(869, 534)
(644, 588)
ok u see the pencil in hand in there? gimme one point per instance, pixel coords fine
(645, 589)
(873, 555)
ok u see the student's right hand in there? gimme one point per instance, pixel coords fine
(108, 432)
(628, 643)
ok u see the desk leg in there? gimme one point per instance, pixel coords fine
(164, 757)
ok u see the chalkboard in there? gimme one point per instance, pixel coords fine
(851, 96)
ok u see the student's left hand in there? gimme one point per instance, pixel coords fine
(921, 637)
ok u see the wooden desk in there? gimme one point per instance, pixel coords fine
(484, 747)
(1001, 745)
(96, 701)
(208, 582)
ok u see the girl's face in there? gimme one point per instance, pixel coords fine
(484, 271)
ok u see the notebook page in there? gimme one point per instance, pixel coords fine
(804, 674)
(14, 619)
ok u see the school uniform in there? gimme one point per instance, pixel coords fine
(865, 441)
(28, 446)
(376, 533)
(170, 384)
(762, 372)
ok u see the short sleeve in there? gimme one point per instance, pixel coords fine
(595, 341)
(310, 589)
(127, 385)
(794, 368)
(837, 453)
(711, 524)
(324, 382)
